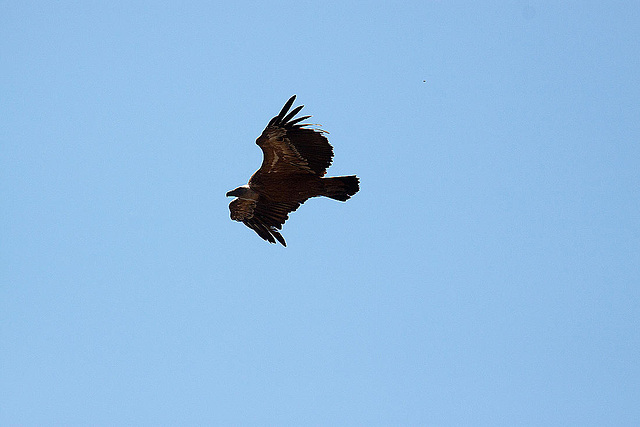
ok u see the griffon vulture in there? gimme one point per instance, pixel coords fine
(296, 157)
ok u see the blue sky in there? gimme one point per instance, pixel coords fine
(487, 273)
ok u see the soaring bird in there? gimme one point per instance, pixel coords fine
(296, 158)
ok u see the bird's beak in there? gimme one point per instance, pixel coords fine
(230, 193)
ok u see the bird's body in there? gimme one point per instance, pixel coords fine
(296, 158)
(287, 188)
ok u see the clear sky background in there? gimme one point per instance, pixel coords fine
(487, 273)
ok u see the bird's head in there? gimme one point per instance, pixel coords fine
(239, 192)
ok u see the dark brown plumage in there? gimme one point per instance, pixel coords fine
(295, 160)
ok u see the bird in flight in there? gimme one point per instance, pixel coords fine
(295, 160)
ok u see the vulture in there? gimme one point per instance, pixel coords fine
(295, 159)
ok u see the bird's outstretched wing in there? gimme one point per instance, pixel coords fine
(289, 146)
(263, 217)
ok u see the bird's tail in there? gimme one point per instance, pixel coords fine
(341, 187)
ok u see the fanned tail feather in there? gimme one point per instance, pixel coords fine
(341, 187)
